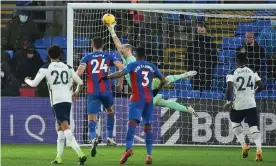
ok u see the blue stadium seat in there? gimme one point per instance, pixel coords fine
(242, 28)
(190, 94)
(183, 85)
(169, 93)
(60, 41)
(221, 70)
(272, 95)
(124, 39)
(172, 16)
(270, 84)
(44, 42)
(64, 55)
(226, 56)
(262, 95)
(231, 43)
(264, 12)
(198, 18)
(81, 42)
(10, 52)
(209, 94)
(261, 24)
(42, 53)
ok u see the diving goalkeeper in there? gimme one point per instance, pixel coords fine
(126, 54)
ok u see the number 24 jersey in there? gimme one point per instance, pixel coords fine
(97, 65)
(244, 80)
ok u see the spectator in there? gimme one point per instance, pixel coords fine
(26, 63)
(9, 85)
(5, 57)
(268, 39)
(20, 29)
(253, 51)
(202, 57)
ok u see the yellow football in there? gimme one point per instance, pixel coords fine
(108, 19)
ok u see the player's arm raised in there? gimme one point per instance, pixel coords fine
(39, 76)
(116, 40)
(259, 83)
(229, 91)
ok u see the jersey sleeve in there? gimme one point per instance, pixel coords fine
(257, 77)
(76, 77)
(229, 78)
(113, 59)
(83, 61)
(39, 76)
(157, 72)
(128, 68)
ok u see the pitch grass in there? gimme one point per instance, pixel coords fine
(42, 155)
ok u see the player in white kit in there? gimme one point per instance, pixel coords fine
(60, 79)
(243, 107)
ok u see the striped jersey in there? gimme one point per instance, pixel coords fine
(141, 76)
(97, 65)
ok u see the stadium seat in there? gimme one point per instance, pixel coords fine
(226, 56)
(10, 52)
(44, 42)
(190, 94)
(221, 70)
(272, 95)
(42, 53)
(209, 94)
(172, 16)
(169, 94)
(242, 28)
(81, 42)
(231, 43)
(270, 84)
(60, 41)
(183, 85)
(261, 24)
(124, 39)
(262, 95)
(64, 55)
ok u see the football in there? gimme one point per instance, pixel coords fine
(108, 19)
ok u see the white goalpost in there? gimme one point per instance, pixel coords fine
(169, 34)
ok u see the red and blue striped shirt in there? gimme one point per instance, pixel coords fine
(97, 65)
(141, 76)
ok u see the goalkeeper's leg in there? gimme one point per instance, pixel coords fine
(174, 105)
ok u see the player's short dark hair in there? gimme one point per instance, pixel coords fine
(98, 42)
(140, 52)
(54, 52)
(241, 58)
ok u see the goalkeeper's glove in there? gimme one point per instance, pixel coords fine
(155, 92)
(190, 74)
(111, 29)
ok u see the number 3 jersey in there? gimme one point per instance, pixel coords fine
(141, 76)
(97, 65)
(59, 78)
(244, 80)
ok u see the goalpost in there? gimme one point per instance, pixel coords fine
(169, 34)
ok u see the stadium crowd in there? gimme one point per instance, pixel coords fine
(23, 47)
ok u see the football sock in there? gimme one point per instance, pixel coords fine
(110, 124)
(173, 78)
(92, 129)
(237, 129)
(73, 143)
(148, 133)
(130, 134)
(173, 105)
(60, 143)
(256, 135)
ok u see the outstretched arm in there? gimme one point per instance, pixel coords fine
(39, 76)
(116, 40)
(116, 75)
(173, 78)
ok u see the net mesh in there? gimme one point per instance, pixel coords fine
(172, 42)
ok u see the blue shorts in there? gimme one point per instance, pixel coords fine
(94, 102)
(138, 110)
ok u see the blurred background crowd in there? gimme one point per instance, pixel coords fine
(183, 42)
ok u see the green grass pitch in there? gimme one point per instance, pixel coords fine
(42, 155)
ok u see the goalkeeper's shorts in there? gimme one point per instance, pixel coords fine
(156, 98)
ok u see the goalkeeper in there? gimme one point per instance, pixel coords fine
(126, 54)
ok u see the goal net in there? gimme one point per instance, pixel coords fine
(177, 38)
